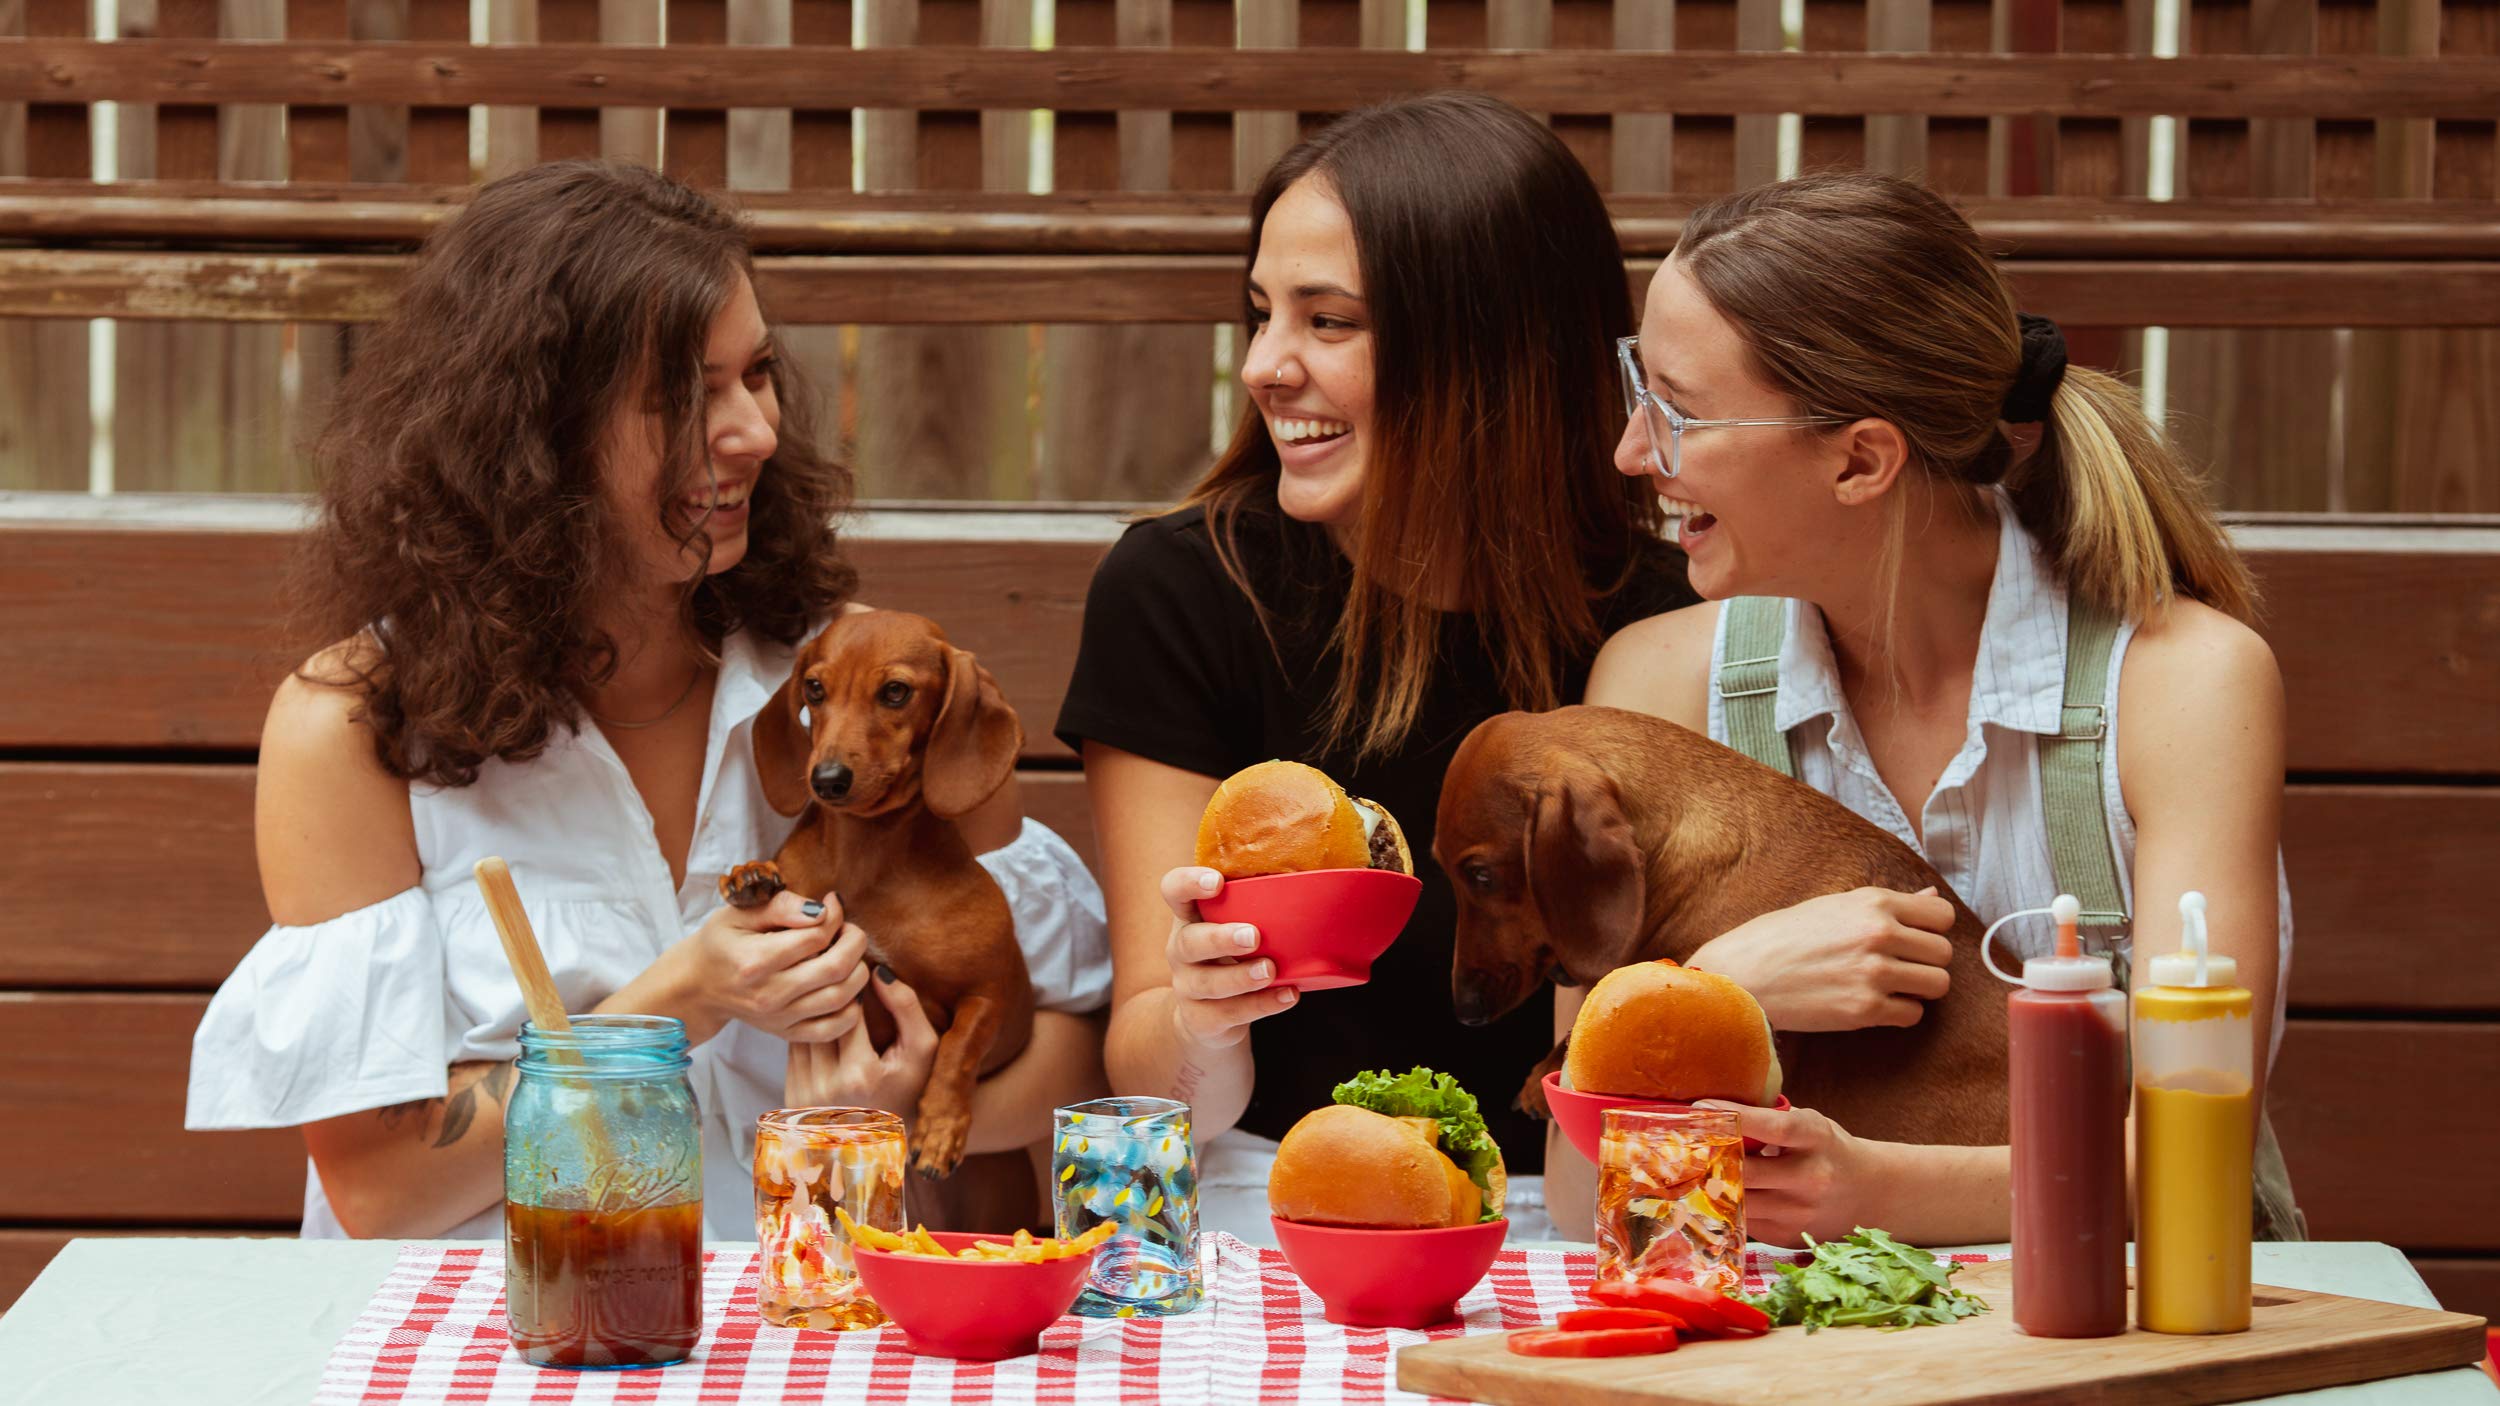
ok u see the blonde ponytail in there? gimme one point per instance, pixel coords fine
(2127, 521)
(1863, 295)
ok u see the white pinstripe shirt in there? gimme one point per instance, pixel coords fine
(1984, 827)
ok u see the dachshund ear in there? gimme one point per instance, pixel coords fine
(974, 742)
(783, 747)
(1585, 875)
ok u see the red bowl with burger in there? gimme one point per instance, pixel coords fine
(1326, 878)
(1657, 1035)
(1388, 1202)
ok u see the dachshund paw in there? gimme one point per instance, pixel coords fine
(937, 1144)
(1531, 1100)
(751, 885)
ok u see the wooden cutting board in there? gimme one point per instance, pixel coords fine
(2296, 1341)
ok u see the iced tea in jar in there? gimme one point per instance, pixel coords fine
(603, 1196)
(808, 1161)
(1671, 1198)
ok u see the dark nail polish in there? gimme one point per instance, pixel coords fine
(812, 908)
(885, 973)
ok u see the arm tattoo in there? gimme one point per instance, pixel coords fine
(458, 1110)
(1185, 1079)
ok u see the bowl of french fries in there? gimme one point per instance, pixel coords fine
(974, 1297)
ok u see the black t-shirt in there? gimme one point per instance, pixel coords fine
(1174, 667)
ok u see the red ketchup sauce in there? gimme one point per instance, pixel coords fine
(2069, 1106)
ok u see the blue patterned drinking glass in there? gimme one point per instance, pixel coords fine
(1129, 1160)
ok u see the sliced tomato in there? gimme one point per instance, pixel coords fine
(1706, 1310)
(1580, 1319)
(1602, 1342)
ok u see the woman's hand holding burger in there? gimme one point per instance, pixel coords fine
(1277, 817)
(1218, 988)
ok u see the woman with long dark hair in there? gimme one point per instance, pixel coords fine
(1413, 529)
(572, 528)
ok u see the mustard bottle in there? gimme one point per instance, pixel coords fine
(2195, 1136)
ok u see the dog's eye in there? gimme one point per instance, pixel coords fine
(814, 690)
(895, 694)
(1479, 875)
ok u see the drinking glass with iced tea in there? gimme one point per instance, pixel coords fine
(1671, 1198)
(808, 1161)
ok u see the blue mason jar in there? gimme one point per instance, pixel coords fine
(603, 1196)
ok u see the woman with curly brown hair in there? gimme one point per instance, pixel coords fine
(571, 531)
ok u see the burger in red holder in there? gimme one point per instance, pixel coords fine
(1388, 1202)
(1656, 1035)
(1326, 878)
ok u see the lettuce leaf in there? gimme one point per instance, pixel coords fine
(1423, 1093)
(1869, 1279)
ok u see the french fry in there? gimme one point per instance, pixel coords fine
(1024, 1248)
(870, 1236)
(1101, 1231)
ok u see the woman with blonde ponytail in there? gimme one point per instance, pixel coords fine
(2036, 668)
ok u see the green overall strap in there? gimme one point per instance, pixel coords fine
(1749, 680)
(2070, 771)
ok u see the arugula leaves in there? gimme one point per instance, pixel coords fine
(1869, 1280)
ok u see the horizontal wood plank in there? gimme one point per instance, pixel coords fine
(2436, 706)
(176, 638)
(2386, 1129)
(942, 78)
(2365, 943)
(314, 218)
(1198, 288)
(2462, 1283)
(95, 1084)
(135, 635)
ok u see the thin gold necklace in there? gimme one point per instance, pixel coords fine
(665, 714)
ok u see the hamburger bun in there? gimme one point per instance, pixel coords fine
(1350, 1167)
(1663, 1031)
(1287, 818)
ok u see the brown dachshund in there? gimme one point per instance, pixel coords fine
(1585, 839)
(903, 733)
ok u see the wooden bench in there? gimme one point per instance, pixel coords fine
(140, 653)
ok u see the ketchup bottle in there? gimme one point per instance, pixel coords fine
(2066, 1037)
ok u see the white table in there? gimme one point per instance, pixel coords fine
(151, 1322)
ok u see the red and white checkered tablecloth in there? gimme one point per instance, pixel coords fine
(434, 1332)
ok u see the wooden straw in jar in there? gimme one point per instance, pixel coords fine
(538, 987)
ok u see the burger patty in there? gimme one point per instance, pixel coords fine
(1384, 847)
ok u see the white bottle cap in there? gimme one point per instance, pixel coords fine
(2083, 973)
(2069, 968)
(2195, 965)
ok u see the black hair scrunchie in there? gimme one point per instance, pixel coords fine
(2043, 368)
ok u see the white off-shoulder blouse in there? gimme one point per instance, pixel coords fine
(371, 1008)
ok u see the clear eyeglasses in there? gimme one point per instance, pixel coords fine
(1664, 426)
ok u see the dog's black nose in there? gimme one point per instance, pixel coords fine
(1472, 1004)
(831, 783)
